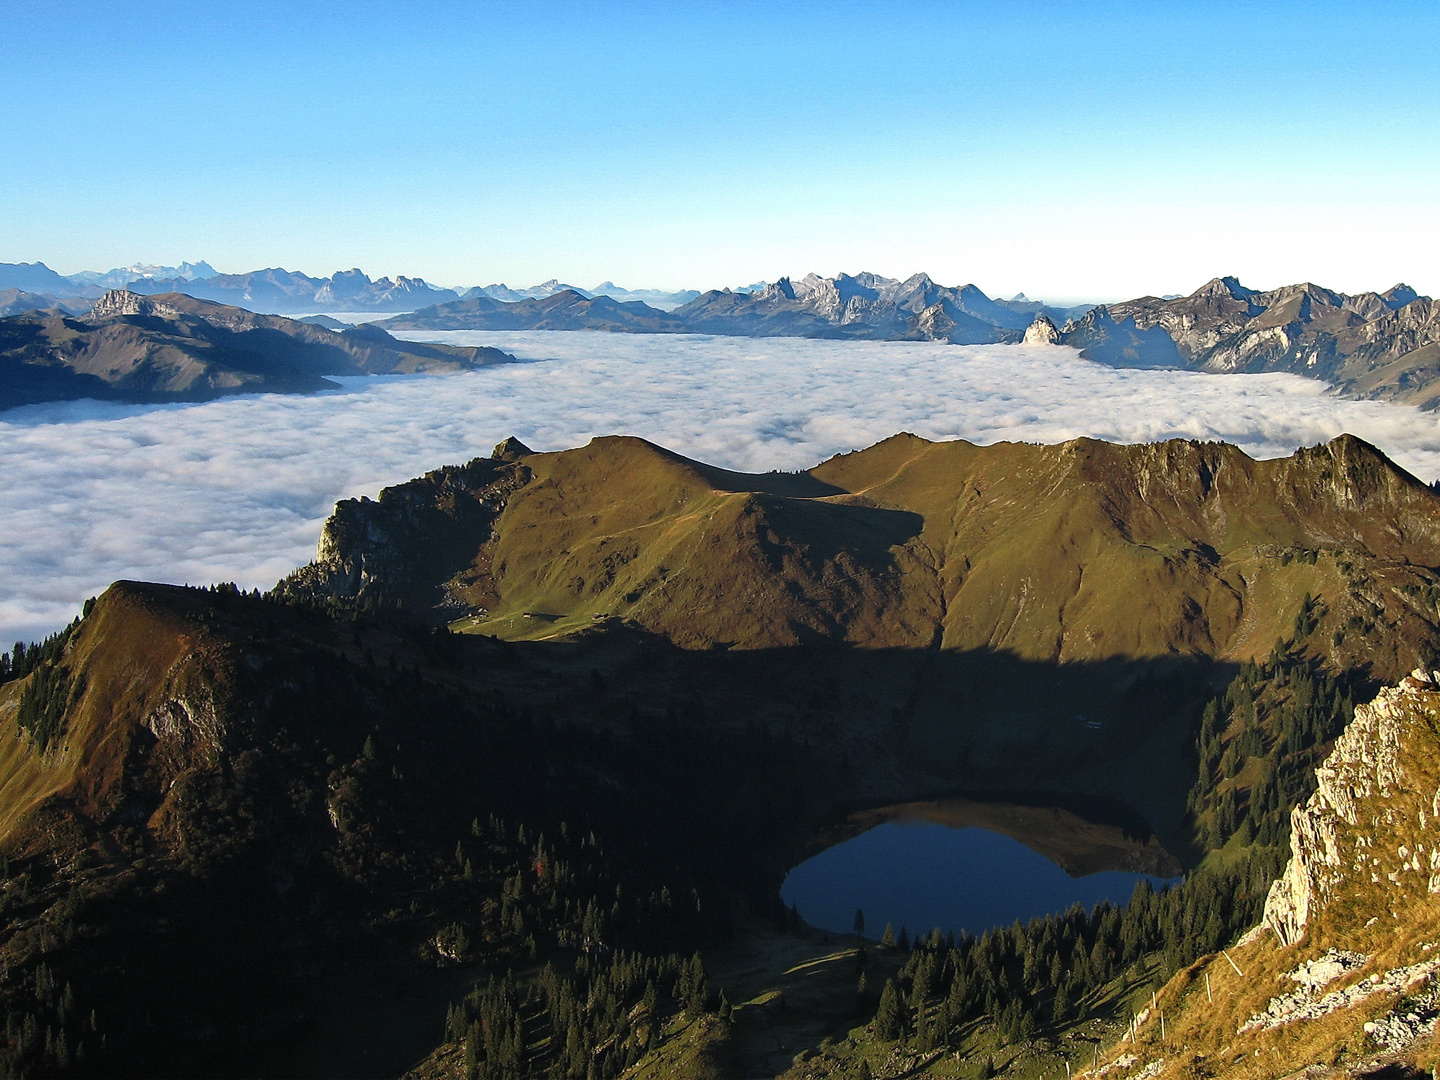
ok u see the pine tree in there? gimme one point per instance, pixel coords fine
(890, 1017)
(1060, 1008)
(887, 939)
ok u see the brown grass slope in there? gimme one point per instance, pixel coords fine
(147, 681)
(1085, 551)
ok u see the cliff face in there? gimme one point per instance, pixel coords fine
(1370, 345)
(1359, 826)
(1338, 978)
(420, 546)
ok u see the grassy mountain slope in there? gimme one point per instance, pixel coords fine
(975, 604)
(1080, 552)
(260, 814)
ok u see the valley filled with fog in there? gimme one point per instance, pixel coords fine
(236, 489)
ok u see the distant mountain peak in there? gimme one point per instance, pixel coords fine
(1042, 332)
(1397, 296)
(778, 289)
(1224, 286)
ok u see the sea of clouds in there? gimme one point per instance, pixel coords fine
(237, 489)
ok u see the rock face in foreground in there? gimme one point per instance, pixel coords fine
(1338, 980)
(1374, 785)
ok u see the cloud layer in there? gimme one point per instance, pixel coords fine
(237, 489)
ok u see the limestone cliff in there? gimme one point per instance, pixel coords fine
(1338, 979)
(1361, 797)
(416, 546)
(1042, 332)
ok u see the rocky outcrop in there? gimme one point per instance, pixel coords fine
(117, 302)
(1305, 1003)
(1041, 332)
(121, 302)
(415, 546)
(1348, 830)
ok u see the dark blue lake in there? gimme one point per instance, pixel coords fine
(920, 875)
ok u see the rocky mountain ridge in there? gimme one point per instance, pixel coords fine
(866, 306)
(173, 347)
(291, 292)
(906, 543)
(1369, 345)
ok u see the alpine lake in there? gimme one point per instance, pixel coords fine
(967, 865)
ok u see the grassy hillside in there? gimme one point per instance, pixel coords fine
(1085, 551)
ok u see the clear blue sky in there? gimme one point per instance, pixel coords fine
(1070, 150)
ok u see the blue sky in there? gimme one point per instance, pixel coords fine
(1070, 150)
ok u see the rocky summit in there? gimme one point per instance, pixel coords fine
(1369, 345)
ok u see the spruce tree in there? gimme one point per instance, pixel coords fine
(890, 1017)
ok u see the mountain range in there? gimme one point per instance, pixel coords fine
(39, 279)
(506, 780)
(279, 291)
(1383, 346)
(173, 347)
(1369, 345)
(864, 306)
(289, 291)
(657, 298)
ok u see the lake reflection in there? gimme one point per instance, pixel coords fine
(920, 875)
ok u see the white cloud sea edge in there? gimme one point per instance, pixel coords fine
(237, 489)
